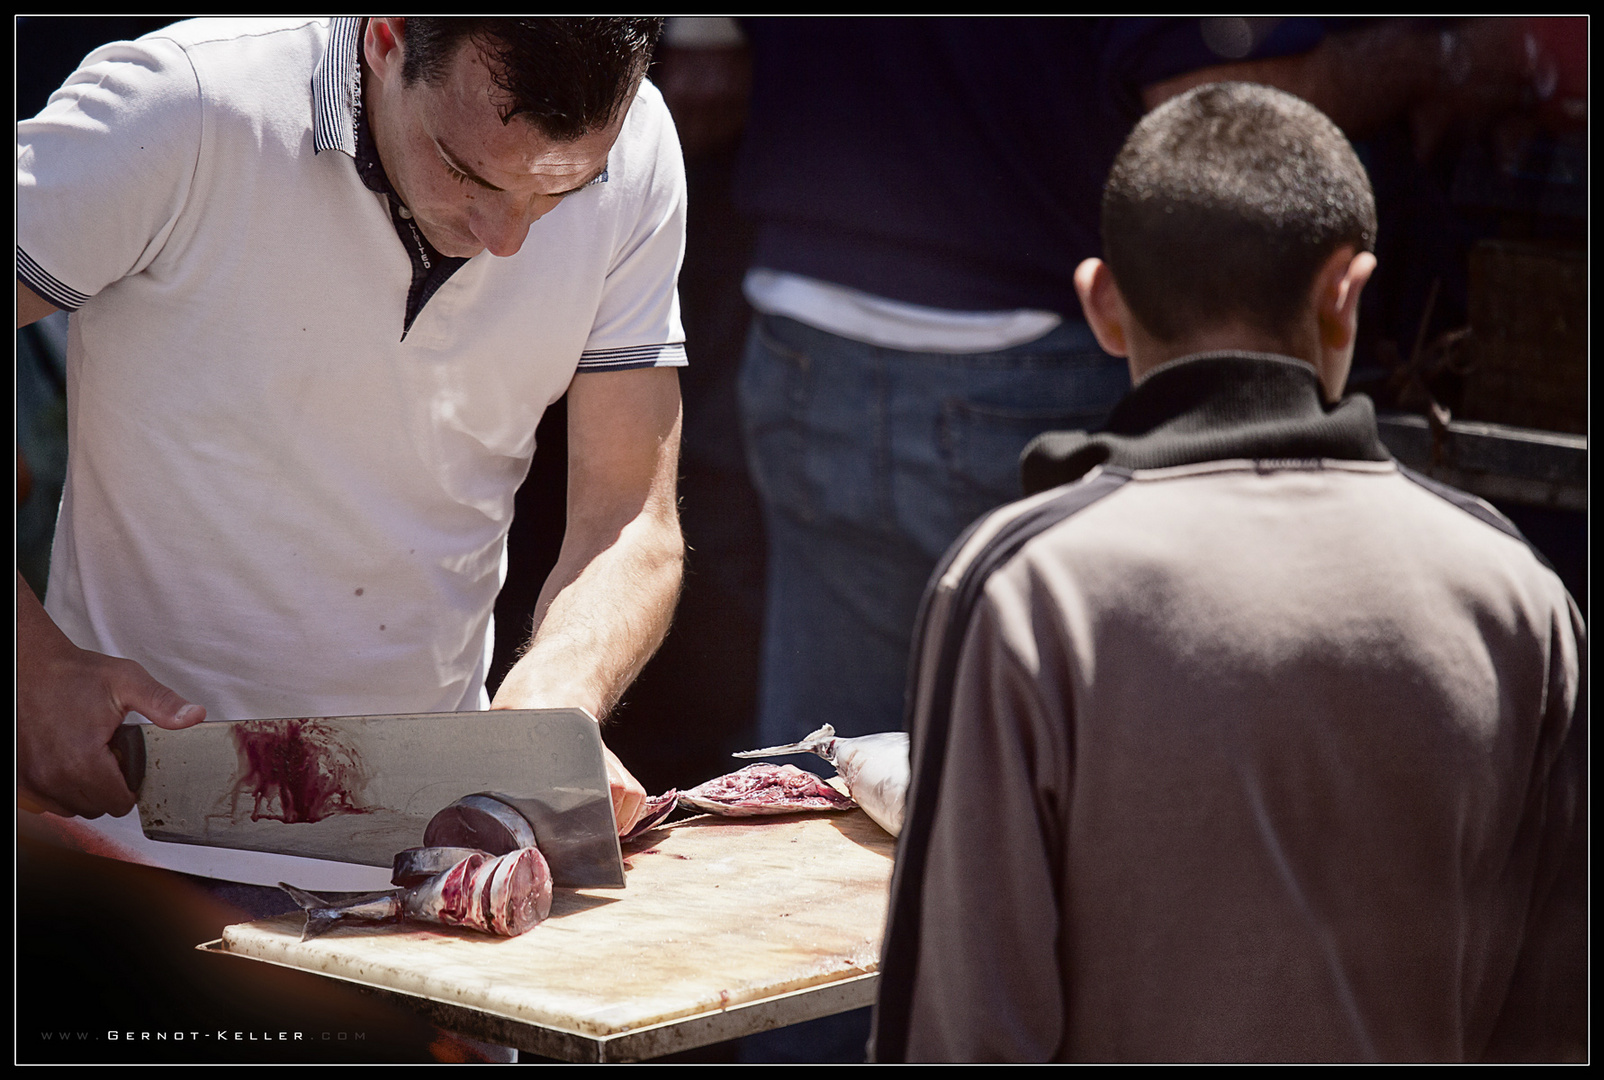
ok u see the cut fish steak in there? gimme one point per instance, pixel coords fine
(875, 768)
(653, 814)
(480, 821)
(764, 789)
(506, 896)
(417, 865)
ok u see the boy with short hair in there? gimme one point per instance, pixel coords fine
(1238, 741)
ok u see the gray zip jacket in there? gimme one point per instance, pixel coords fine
(1243, 744)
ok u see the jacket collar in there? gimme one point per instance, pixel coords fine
(1212, 407)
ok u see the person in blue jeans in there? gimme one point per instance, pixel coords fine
(871, 460)
(921, 191)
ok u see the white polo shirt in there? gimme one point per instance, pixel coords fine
(274, 502)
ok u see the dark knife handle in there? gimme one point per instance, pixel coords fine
(128, 747)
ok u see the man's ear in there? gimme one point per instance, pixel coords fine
(1104, 307)
(381, 45)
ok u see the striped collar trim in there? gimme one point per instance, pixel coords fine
(337, 89)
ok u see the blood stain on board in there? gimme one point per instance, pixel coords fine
(297, 771)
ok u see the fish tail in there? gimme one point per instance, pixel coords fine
(322, 915)
(302, 897)
(812, 744)
(319, 919)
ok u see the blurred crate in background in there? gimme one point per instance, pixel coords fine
(1528, 340)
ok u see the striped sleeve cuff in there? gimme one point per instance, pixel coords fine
(635, 356)
(34, 276)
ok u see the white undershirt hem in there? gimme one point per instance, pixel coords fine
(892, 324)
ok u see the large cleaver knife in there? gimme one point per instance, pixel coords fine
(362, 788)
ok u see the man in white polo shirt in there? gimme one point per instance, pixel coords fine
(325, 277)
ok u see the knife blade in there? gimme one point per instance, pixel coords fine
(362, 788)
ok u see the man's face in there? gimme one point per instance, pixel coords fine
(471, 182)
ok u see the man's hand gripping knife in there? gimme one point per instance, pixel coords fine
(609, 600)
(69, 703)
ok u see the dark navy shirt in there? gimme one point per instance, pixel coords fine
(952, 163)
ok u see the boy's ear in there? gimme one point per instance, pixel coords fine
(1336, 298)
(1336, 305)
(1104, 307)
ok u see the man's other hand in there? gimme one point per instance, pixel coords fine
(629, 797)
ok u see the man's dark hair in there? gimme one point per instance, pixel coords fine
(567, 76)
(1224, 203)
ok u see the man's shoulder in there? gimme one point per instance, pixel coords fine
(648, 148)
(197, 61)
(225, 58)
(193, 33)
(1473, 509)
(648, 106)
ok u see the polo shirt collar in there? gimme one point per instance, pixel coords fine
(337, 89)
(337, 119)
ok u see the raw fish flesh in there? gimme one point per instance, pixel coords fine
(656, 810)
(480, 821)
(765, 789)
(875, 768)
(506, 896)
(416, 865)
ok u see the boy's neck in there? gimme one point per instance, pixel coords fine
(1147, 352)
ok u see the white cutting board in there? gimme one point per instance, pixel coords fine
(718, 912)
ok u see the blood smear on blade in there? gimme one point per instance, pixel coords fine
(297, 771)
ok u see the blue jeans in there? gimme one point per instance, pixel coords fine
(870, 462)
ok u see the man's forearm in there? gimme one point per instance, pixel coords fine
(603, 612)
(608, 602)
(31, 307)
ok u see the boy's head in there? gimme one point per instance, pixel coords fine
(1230, 213)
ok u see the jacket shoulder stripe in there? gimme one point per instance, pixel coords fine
(899, 955)
(1475, 507)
